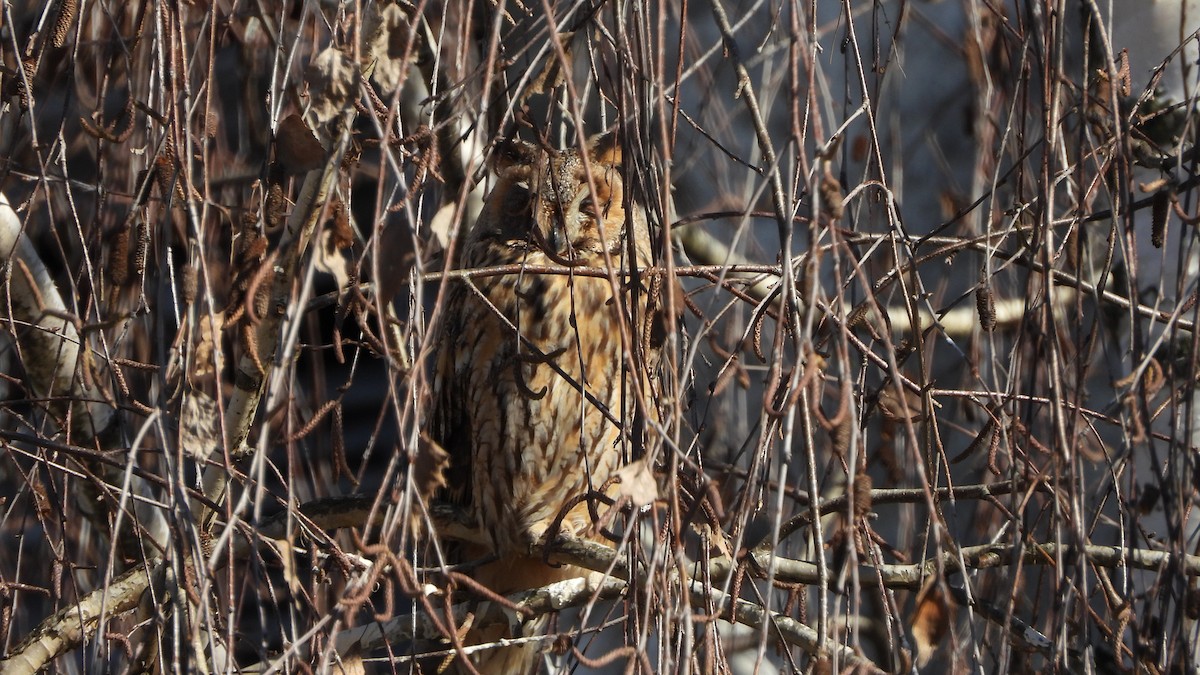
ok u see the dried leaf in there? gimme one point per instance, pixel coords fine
(443, 225)
(831, 195)
(931, 621)
(1125, 82)
(297, 149)
(905, 406)
(553, 74)
(199, 425)
(429, 467)
(985, 436)
(287, 556)
(637, 483)
(333, 83)
(716, 538)
(331, 260)
(203, 361)
(389, 29)
(341, 235)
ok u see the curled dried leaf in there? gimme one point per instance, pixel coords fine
(931, 620)
(340, 235)
(985, 436)
(831, 195)
(986, 306)
(1153, 379)
(1124, 81)
(208, 339)
(329, 258)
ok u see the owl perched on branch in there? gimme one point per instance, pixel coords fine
(545, 378)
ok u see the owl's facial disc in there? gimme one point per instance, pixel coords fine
(571, 230)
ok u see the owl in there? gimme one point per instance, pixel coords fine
(540, 376)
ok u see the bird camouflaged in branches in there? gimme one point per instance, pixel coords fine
(534, 397)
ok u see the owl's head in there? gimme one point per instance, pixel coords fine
(545, 197)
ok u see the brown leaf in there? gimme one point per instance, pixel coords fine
(716, 538)
(287, 556)
(429, 468)
(831, 195)
(330, 259)
(931, 621)
(199, 425)
(297, 150)
(207, 342)
(333, 82)
(902, 406)
(389, 29)
(637, 483)
(553, 74)
(443, 225)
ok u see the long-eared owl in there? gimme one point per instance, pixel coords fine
(541, 374)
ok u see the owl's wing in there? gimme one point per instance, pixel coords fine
(449, 421)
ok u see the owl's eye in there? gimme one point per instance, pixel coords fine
(589, 207)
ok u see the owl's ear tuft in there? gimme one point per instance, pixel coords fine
(605, 148)
(513, 154)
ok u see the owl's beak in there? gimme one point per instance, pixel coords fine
(556, 239)
(551, 232)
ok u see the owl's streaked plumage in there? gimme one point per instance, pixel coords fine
(534, 393)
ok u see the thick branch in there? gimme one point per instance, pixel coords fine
(67, 628)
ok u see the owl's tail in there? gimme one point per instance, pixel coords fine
(509, 575)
